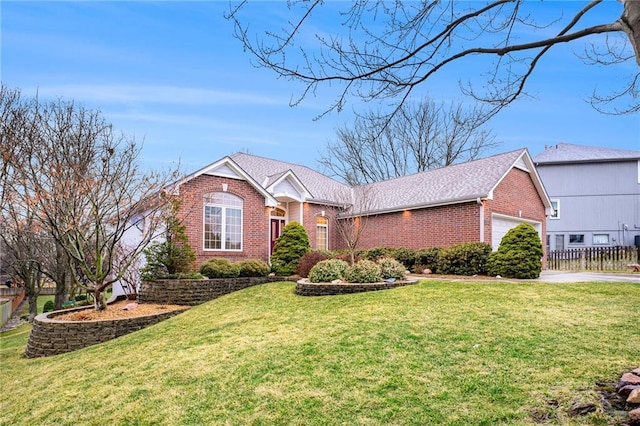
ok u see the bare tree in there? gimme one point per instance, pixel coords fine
(419, 137)
(352, 217)
(384, 50)
(82, 181)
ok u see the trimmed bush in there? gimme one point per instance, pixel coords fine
(254, 268)
(289, 248)
(426, 259)
(220, 268)
(364, 271)
(464, 259)
(328, 270)
(80, 297)
(48, 306)
(309, 260)
(406, 256)
(391, 268)
(378, 252)
(519, 254)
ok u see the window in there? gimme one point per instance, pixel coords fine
(555, 205)
(600, 238)
(576, 238)
(559, 241)
(222, 221)
(322, 233)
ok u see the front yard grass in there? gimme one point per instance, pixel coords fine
(433, 353)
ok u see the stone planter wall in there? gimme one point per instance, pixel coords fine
(305, 288)
(52, 337)
(195, 292)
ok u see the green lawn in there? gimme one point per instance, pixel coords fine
(434, 353)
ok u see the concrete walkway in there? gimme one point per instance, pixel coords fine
(566, 277)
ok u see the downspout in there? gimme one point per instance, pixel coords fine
(481, 203)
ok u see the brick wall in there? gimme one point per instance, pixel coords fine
(310, 213)
(441, 226)
(516, 196)
(255, 238)
(445, 226)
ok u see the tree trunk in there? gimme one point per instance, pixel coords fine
(33, 305)
(62, 295)
(99, 303)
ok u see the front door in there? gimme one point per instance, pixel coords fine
(276, 230)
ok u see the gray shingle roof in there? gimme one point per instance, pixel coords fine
(570, 153)
(266, 171)
(466, 181)
(447, 185)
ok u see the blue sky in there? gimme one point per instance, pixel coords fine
(172, 75)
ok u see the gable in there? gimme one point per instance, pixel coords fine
(227, 168)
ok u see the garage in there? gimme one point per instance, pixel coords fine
(500, 224)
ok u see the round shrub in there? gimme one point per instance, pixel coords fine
(426, 259)
(289, 248)
(464, 259)
(220, 268)
(254, 268)
(391, 268)
(328, 270)
(309, 260)
(364, 271)
(48, 306)
(519, 254)
(406, 256)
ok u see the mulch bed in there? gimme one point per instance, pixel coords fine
(116, 311)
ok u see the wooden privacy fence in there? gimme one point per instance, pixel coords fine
(593, 259)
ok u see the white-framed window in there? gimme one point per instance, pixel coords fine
(322, 233)
(600, 239)
(576, 238)
(555, 205)
(222, 222)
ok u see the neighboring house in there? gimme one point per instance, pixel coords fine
(595, 193)
(237, 206)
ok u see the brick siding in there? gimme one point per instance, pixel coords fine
(255, 221)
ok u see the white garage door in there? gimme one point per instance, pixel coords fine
(501, 224)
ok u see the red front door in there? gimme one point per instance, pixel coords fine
(276, 230)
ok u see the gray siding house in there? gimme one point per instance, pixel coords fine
(595, 193)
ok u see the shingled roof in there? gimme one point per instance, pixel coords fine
(447, 185)
(266, 171)
(571, 153)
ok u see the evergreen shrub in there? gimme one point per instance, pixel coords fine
(289, 248)
(426, 258)
(391, 268)
(464, 259)
(328, 270)
(519, 254)
(406, 256)
(220, 268)
(48, 306)
(365, 271)
(254, 268)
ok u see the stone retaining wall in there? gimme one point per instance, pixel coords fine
(305, 288)
(52, 337)
(195, 292)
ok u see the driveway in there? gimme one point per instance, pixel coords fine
(565, 277)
